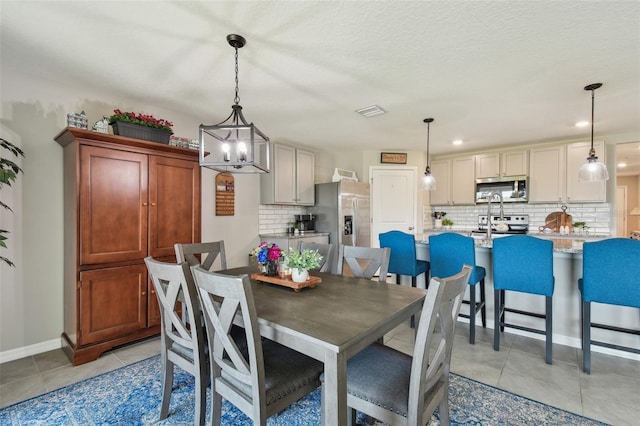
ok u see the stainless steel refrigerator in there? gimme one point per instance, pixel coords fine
(343, 209)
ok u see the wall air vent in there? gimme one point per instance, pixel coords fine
(370, 111)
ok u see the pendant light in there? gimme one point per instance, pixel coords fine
(593, 170)
(429, 182)
(233, 145)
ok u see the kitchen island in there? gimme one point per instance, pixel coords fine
(567, 269)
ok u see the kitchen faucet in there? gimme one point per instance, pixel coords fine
(489, 198)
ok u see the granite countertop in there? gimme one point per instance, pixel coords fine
(293, 236)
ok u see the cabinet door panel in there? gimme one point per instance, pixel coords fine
(174, 199)
(154, 316)
(285, 174)
(487, 165)
(547, 177)
(113, 211)
(515, 163)
(577, 154)
(441, 170)
(305, 171)
(112, 303)
(463, 180)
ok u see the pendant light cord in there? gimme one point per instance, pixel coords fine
(592, 152)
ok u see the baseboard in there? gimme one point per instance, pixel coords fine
(25, 351)
(563, 340)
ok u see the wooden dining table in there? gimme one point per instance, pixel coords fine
(332, 322)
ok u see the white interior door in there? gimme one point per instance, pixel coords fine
(393, 200)
(621, 211)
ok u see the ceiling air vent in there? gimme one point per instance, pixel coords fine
(370, 111)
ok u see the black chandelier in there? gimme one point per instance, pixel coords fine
(233, 145)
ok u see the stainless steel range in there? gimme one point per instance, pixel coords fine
(517, 224)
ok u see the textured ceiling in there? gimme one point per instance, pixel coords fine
(490, 73)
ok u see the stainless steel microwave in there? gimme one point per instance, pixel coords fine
(513, 189)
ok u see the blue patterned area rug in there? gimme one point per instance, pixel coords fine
(131, 396)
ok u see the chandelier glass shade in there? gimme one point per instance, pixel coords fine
(593, 170)
(234, 145)
(428, 181)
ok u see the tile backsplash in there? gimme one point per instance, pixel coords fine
(596, 215)
(275, 218)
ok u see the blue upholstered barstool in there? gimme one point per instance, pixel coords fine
(534, 275)
(403, 256)
(611, 275)
(448, 252)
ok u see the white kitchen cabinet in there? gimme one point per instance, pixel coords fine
(577, 154)
(292, 177)
(547, 174)
(554, 174)
(455, 181)
(510, 163)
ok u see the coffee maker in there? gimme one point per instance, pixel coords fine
(305, 222)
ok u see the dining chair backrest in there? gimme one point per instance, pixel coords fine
(182, 337)
(262, 379)
(204, 254)
(430, 375)
(363, 262)
(401, 389)
(534, 274)
(448, 252)
(325, 250)
(402, 259)
(611, 271)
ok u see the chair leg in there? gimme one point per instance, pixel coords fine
(398, 279)
(497, 308)
(503, 304)
(167, 386)
(549, 329)
(201, 402)
(472, 314)
(586, 337)
(483, 311)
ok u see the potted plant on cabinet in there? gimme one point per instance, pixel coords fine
(300, 262)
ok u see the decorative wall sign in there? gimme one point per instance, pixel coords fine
(225, 194)
(393, 157)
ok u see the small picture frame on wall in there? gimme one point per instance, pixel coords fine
(393, 157)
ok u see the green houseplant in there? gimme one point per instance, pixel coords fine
(300, 262)
(8, 174)
(141, 126)
(447, 223)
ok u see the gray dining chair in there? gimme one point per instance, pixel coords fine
(325, 250)
(363, 262)
(399, 389)
(182, 338)
(204, 254)
(265, 378)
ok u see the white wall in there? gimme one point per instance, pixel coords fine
(33, 112)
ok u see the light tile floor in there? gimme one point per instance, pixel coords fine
(611, 393)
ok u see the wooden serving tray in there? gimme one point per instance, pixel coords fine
(287, 282)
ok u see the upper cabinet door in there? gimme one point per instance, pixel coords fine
(441, 171)
(463, 180)
(292, 177)
(113, 205)
(488, 165)
(306, 174)
(577, 154)
(174, 204)
(547, 178)
(514, 163)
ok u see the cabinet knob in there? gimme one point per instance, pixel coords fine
(153, 204)
(145, 204)
(144, 292)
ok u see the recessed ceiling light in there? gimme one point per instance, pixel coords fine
(582, 123)
(457, 142)
(622, 165)
(370, 111)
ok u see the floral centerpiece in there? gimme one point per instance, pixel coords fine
(141, 126)
(267, 257)
(300, 262)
